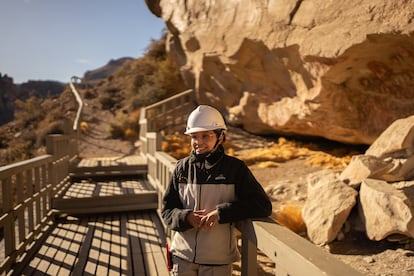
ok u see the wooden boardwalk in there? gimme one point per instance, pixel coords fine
(106, 223)
(127, 243)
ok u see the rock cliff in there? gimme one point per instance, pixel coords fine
(339, 70)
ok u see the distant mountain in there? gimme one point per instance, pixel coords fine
(40, 89)
(105, 71)
(10, 92)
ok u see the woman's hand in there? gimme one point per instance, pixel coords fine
(194, 218)
(209, 220)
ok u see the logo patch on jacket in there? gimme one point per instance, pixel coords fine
(220, 177)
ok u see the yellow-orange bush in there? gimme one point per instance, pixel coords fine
(290, 216)
(270, 155)
(83, 126)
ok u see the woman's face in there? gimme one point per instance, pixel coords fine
(203, 141)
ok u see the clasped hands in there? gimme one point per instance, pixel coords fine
(202, 219)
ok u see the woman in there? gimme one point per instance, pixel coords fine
(207, 193)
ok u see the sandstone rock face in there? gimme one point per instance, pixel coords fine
(339, 70)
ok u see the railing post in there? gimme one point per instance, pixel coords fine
(9, 229)
(52, 145)
(143, 126)
(249, 248)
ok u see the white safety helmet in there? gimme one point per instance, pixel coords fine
(204, 118)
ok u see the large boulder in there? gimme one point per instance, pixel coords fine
(386, 208)
(339, 70)
(389, 158)
(325, 221)
(383, 180)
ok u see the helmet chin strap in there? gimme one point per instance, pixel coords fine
(217, 144)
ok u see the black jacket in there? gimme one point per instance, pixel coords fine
(217, 182)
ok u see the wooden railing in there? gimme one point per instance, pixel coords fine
(27, 190)
(169, 115)
(291, 253)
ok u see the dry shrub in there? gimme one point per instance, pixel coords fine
(285, 150)
(125, 126)
(107, 102)
(327, 161)
(116, 131)
(89, 94)
(129, 133)
(178, 146)
(271, 155)
(83, 126)
(290, 216)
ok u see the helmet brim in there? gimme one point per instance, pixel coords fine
(200, 129)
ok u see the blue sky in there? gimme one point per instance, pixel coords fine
(58, 39)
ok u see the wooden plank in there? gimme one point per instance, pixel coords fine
(148, 200)
(115, 246)
(104, 234)
(93, 254)
(158, 248)
(126, 259)
(146, 244)
(86, 244)
(37, 180)
(138, 265)
(29, 195)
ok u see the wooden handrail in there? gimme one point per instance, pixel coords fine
(169, 115)
(27, 191)
(78, 100)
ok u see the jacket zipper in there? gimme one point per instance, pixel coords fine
(197, 208)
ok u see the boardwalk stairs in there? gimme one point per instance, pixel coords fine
(107, 184)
